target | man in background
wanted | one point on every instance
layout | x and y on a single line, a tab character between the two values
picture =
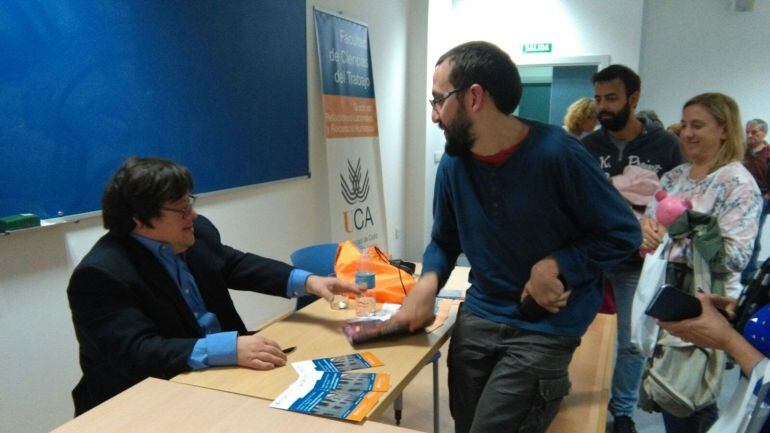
756	161
151	297
630	151
511	194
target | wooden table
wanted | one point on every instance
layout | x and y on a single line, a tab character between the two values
159	406
585	408
316	332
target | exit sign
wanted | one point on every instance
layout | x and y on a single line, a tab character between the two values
537	48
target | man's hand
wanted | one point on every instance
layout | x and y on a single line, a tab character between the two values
417	309
259	353
326	287
545	287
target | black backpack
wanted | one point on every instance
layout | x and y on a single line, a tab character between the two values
755	296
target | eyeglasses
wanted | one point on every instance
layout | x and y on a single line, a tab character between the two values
439	102
185	211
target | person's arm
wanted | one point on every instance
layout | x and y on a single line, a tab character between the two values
416	312
438	260
609	231
239	270
712	330
227	348
327	287
737	213
246	271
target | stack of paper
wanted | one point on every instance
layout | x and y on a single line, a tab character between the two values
323	387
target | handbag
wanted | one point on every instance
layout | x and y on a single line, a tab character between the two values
680	377
644	329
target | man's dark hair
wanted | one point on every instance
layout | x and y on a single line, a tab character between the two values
139	189
485	64
629	78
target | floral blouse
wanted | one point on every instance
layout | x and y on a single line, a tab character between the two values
730	194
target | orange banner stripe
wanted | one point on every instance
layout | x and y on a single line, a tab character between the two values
346	116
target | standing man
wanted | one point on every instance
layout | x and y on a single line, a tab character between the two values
511	194
151	297
627	140
756	161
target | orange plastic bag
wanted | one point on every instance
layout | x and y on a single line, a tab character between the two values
391	284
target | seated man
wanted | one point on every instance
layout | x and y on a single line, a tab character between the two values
151	297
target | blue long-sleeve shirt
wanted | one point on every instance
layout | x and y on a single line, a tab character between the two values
217	347
548	198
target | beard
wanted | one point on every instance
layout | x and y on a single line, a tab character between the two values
459	139
616	121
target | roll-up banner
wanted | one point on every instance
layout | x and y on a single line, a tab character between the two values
350	127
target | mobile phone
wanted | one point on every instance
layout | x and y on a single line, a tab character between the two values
672	305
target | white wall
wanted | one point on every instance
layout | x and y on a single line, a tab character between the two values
574	27
695	46
39	350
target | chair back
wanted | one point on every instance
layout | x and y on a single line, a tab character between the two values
318	259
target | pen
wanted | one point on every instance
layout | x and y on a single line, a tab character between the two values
288	350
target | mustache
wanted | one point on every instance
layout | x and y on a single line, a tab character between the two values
606	113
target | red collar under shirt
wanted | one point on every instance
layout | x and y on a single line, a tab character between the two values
499	158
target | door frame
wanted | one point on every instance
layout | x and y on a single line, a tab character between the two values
601	61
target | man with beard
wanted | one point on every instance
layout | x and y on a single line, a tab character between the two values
756	160
511	194
627	140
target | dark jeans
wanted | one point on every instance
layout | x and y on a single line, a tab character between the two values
698	422
503	379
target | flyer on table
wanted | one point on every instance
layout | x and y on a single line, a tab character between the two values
353	361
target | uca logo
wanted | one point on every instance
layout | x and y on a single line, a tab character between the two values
357	190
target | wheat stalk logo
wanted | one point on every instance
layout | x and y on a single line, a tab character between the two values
357	190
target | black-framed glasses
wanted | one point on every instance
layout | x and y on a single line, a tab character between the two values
439	102
185	211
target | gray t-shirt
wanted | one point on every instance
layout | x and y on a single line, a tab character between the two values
620	144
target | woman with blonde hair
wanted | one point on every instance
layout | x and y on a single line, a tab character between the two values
717	184
580	117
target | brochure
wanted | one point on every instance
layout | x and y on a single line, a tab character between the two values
353	361
348	405
325	380
349	396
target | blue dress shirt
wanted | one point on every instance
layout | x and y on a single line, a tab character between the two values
217	347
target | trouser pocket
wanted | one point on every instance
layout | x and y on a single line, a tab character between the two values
545	405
